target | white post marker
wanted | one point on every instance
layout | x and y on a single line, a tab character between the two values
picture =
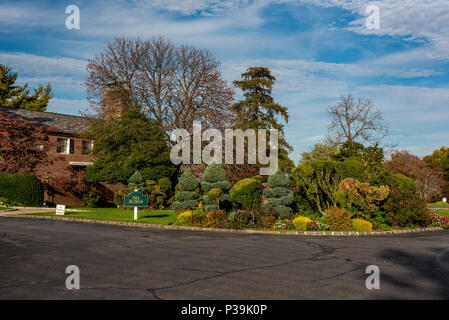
135	213
60	209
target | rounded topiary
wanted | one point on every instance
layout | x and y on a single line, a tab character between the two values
338	219
188	182
361	225
278	196
214	177
300	223
246	192
215	194
215	186
214	173
186	197
278	179
136	178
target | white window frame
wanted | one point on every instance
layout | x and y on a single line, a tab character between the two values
67	146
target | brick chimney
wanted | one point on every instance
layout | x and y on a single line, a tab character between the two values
115	102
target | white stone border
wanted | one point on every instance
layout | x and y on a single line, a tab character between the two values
167	227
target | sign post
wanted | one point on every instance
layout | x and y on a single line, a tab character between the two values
136	199
60	209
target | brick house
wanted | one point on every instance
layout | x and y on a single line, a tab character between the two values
68	150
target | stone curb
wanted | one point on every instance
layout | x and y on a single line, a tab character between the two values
295	233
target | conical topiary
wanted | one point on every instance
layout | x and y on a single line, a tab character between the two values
186	198
278	196
136	181
215	187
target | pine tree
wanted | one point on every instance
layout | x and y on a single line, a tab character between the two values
15	96
258	110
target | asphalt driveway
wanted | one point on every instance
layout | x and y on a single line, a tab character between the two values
118	262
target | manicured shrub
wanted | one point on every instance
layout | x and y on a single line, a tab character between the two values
278	179
361	225
338	219
246	192
188	182
215	177
319	180
186	198
215	219
215	194
300	223
361	196
215	186
23	189
278	196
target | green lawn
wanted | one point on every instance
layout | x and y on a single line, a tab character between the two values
112	214
441	207
3	208
439	204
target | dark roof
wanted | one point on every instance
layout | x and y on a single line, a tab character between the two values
63	123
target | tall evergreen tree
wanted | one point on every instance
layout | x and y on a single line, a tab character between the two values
122	146
15	96
259	111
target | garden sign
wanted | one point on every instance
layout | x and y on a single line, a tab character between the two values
136	199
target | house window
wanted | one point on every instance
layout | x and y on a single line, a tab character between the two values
65	146
87	145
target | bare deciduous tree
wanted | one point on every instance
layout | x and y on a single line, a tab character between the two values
356	121
174	84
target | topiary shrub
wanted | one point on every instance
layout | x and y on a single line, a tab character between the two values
215	186
136	181
300	223
338	219
361	225
23	189
277	195
215	177
246	192
186	198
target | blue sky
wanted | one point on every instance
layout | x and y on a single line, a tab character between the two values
317	49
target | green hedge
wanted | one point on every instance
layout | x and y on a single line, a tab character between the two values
25	189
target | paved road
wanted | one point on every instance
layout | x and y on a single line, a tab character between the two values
127	263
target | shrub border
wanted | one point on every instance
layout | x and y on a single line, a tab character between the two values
291	233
